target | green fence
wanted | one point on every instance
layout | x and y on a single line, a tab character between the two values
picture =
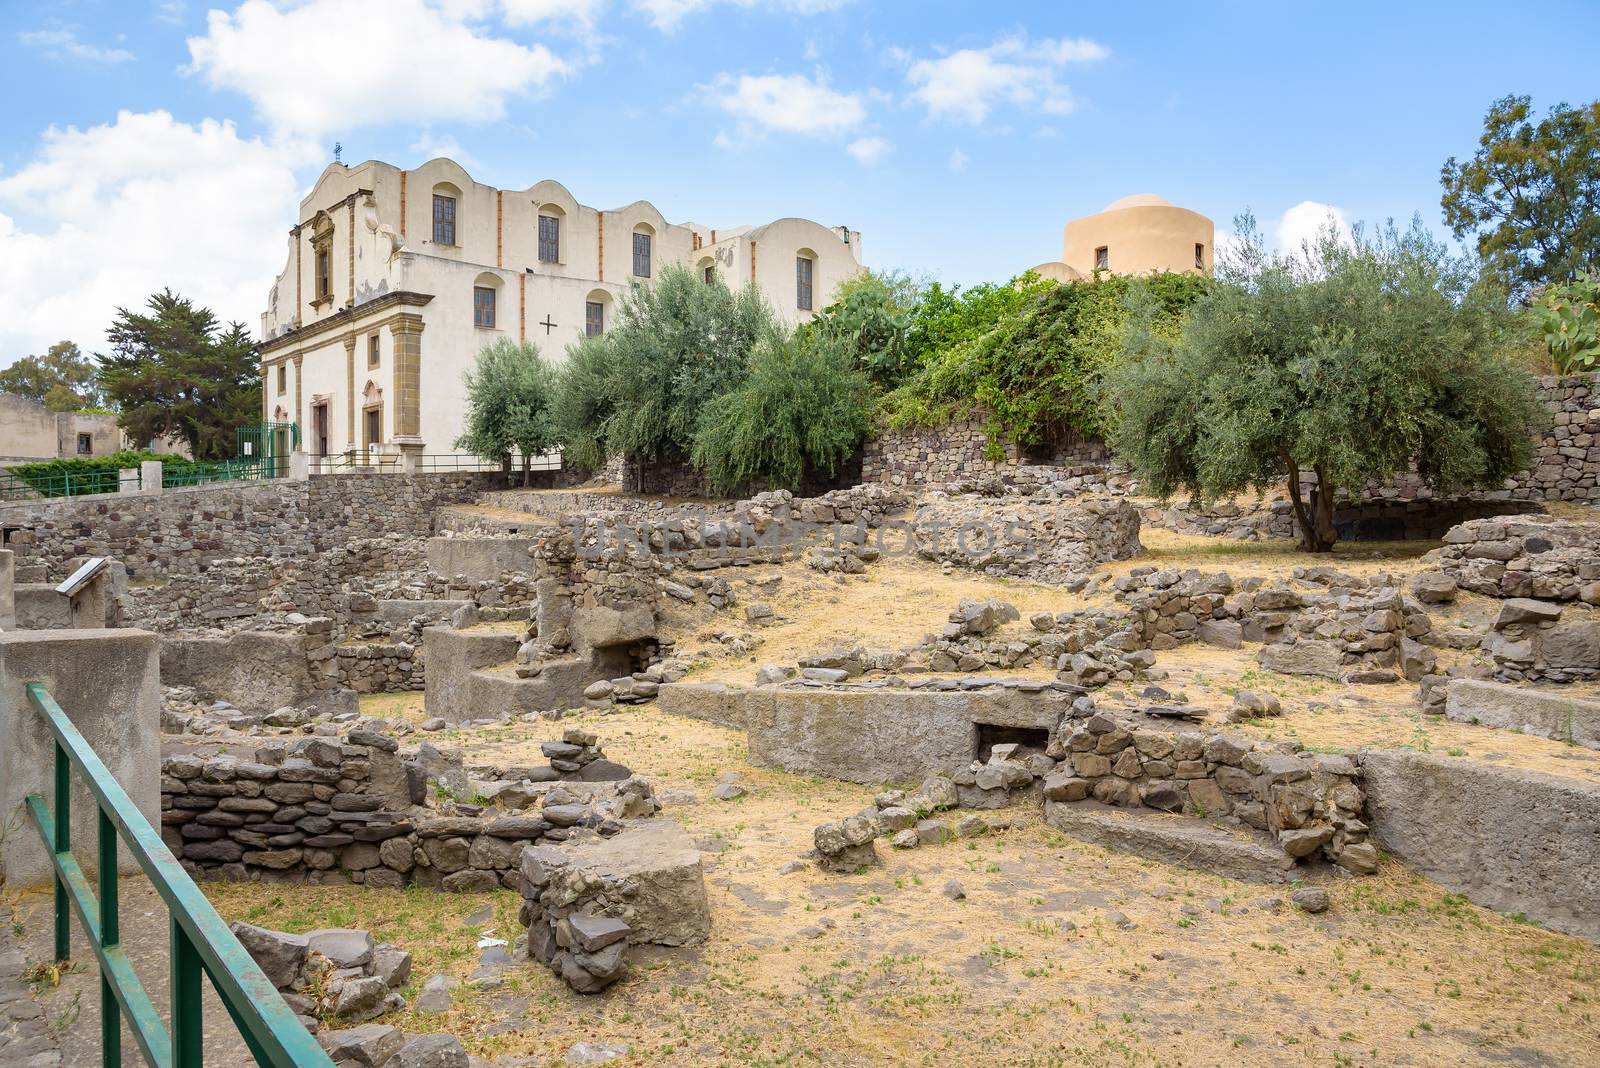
201	942
65	484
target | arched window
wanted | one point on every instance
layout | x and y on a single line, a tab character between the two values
643	239
485	299
595	307
550	219
445	199
805	264
707	269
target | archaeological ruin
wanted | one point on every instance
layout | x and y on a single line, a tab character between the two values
574	774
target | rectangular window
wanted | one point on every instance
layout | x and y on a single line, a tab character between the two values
1199	256
444	220
372	350
1102	258
483	307
708	274
549	239
641	255
802	283
324	273
283	378
594	319
374	426
85	444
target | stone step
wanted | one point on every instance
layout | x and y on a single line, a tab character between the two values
1179	840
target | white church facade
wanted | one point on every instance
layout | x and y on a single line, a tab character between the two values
395	279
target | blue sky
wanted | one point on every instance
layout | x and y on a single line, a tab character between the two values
168	143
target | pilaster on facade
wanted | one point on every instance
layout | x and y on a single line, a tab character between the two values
406	330
299	362
350	390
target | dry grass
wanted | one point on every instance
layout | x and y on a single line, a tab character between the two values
1028	969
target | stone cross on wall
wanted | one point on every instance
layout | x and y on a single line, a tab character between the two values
547	324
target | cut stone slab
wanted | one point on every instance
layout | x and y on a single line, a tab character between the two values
1546	713
1510	840
1309	657
1188	843
653	859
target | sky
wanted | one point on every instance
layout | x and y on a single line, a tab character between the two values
167	143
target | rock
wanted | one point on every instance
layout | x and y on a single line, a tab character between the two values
953	890
435	995
728	791
1434	587
430	1051
1223	633
361	999
344	947
1257	704
1526	610
279	955
1310	899
1309	656
772	674
594	933
1305	841
906	839
369	1044
971	827
1360	858
594	1052
391	964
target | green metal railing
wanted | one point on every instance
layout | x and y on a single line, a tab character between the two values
200	940
198	474
66	484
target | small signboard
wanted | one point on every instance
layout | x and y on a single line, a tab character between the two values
80	578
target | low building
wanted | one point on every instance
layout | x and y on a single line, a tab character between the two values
30	431
396	278
1140	234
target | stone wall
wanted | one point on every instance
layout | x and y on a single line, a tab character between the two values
1551	559
955	450
182	530
1511	840
1566	463
331	810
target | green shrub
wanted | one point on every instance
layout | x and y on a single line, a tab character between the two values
1036	369
69	477
802	409
638	389
1569	321
871	313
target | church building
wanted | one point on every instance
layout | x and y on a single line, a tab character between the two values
395	279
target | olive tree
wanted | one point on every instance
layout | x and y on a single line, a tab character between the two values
509	390
1346	362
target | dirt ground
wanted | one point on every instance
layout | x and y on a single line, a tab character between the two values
1030	968
1059	953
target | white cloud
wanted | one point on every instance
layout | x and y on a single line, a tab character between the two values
418	62
868	150
964	86
668	14
108	215
531	12
64	44
1304	223
958	159
790	103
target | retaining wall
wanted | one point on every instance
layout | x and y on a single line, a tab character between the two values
1510	840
